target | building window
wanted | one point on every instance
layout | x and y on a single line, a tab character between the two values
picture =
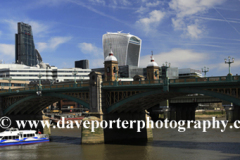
114	70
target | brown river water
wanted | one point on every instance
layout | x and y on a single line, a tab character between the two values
167	144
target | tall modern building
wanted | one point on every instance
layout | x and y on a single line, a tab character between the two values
24	45
84	64
126	47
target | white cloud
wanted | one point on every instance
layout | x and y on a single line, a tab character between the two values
194	31
89	48
153	4
121	2
38	28
151	22
41	46
190	7
56	41
97	1
142	10
93	53
125	2
7	52
148	5
12	26
186	9
53	43
96	63
180	58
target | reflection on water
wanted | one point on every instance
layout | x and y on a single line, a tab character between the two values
167	144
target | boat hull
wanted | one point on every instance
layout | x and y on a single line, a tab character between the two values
23	142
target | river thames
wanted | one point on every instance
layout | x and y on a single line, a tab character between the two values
167	144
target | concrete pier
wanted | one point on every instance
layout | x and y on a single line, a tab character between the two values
181	111
232	113
88	137
127	135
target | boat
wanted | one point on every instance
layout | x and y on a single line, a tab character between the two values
13	136
67	117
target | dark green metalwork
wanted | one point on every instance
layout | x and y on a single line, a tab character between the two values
63	96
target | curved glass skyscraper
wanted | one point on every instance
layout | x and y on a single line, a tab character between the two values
126	47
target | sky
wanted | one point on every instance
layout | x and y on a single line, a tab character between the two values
185	33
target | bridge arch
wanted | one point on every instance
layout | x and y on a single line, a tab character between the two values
49	98
153	97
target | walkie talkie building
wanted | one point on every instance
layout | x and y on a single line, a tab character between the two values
126	47
24	46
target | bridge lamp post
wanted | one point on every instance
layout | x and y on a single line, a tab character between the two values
205	70
9	80
81	80
229	63
51	81
75	74
167	66
39	83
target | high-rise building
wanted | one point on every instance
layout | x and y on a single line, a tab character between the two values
126	47
84	64
24	45
38	57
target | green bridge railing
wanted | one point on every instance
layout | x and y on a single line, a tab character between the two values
174	81
164	82
45	87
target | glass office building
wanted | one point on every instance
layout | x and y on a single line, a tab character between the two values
126	47
24	46
84	64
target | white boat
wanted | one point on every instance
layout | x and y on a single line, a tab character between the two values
13	136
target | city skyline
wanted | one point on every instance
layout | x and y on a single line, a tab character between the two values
188	34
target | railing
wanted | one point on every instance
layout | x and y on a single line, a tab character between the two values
124	83
207	79
174	81
63	86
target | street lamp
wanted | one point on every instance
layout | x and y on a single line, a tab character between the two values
51	82
229	63
39	83
75	74
81	80
9	80
205	70
166	66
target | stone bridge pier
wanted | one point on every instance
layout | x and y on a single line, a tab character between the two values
114	133
180	111
232	113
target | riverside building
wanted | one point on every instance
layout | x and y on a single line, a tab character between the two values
45	71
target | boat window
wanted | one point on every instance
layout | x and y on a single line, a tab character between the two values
5	138
1	137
